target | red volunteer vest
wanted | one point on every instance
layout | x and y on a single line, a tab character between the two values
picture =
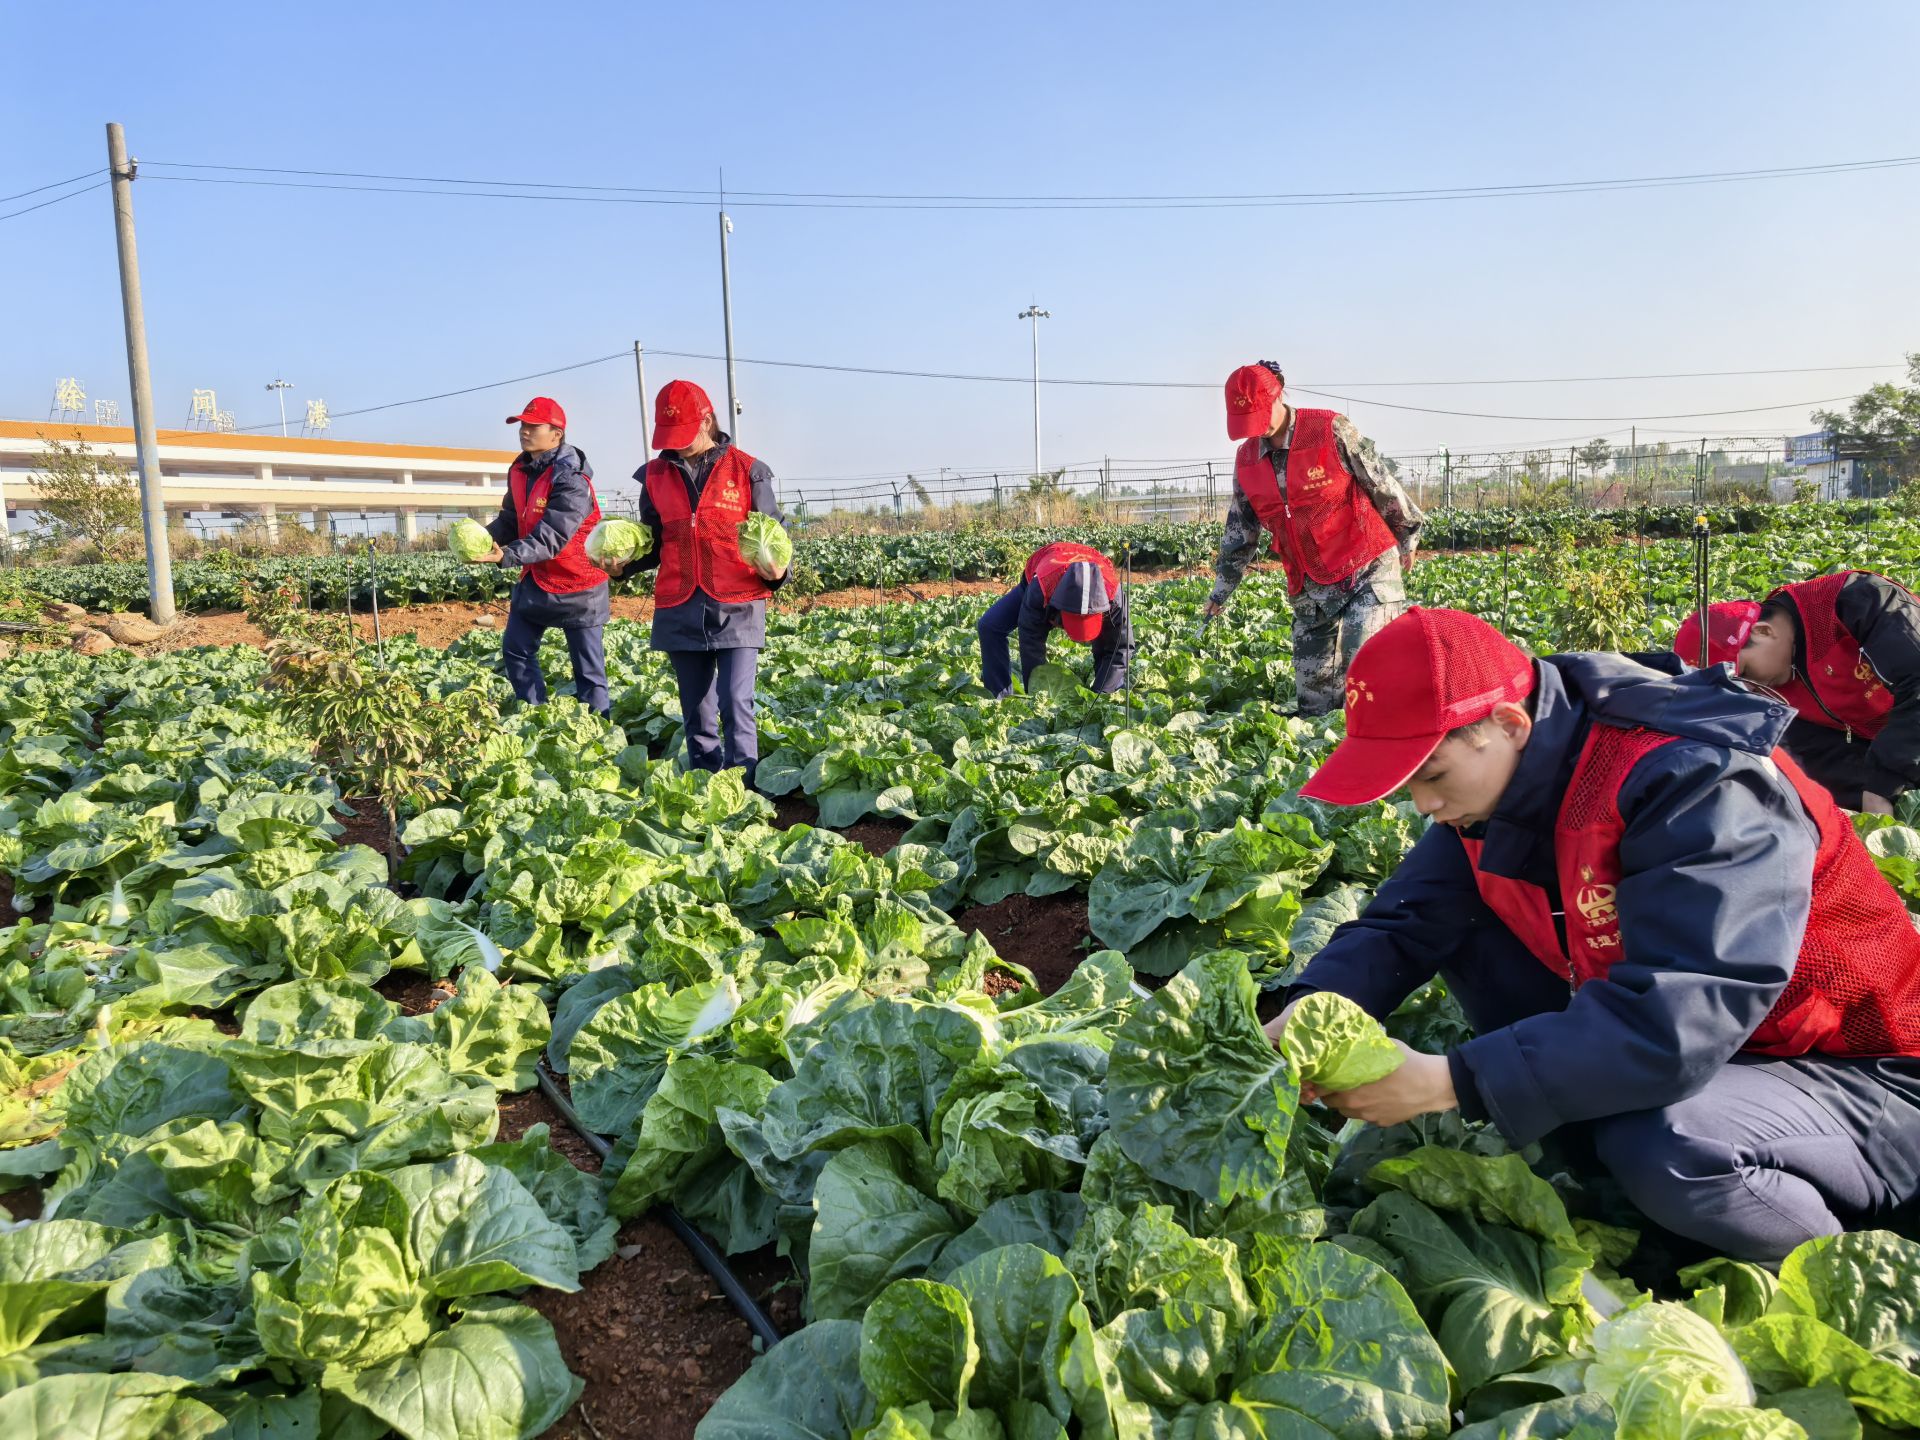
701	547
1845	693
570	570
1324	526
1047	564
1856	984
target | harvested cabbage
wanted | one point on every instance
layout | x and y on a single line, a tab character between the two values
1336	1045
764	543
618	541
469	539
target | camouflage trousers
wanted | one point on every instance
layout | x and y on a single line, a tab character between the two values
1332	622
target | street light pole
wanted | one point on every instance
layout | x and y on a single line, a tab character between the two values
1036	315
282	386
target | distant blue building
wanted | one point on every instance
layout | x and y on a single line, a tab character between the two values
1837	476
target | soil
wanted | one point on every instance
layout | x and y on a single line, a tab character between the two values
38	915
414	993
792	810
1048	935
367	825
24	1203
649	1332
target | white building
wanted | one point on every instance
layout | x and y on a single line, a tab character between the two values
321	481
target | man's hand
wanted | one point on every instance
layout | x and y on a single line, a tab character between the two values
1213	609
614	568
1422	1084
767	572
1406	561
1872	804
492	557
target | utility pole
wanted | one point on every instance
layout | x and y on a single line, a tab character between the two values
282	386
646	432
1036	315
153	504
726	307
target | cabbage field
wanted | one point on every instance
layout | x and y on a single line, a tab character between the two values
260	1196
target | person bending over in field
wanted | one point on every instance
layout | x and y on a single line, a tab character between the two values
1661	931
1064	586
1844	651
1342	525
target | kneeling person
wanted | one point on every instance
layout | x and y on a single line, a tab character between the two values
1659	928
1844	651
1071	587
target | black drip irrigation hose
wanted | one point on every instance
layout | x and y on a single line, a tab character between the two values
711	1260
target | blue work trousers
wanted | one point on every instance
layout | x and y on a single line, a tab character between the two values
717	708
520	652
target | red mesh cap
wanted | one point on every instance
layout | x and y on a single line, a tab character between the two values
1252	392
677	412
1428	672
1728	624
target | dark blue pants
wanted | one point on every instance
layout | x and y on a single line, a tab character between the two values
716	700
1766	1156
520	651
995	628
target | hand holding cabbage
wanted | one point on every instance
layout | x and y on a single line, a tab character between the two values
469	541
765	545
1346	1058
614	544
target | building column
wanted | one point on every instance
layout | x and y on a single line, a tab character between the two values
270	518
408	523
406	477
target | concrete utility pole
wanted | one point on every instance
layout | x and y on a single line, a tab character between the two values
153	504
1036	315
646	429
282	386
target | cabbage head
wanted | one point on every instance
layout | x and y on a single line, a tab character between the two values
618	541
764	542
469	539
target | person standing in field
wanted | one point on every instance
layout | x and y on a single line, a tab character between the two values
549	510
1342	526
710	605
1844	651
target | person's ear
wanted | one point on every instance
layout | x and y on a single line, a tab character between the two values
1514	722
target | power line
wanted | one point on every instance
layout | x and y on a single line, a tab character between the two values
777	199
54	185
70	195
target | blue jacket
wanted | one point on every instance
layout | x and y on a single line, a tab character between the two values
1112	647
569	503
1717	865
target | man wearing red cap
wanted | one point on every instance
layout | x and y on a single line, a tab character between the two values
1844	651
710	605
1342	526
542	527
1069	587
1664	935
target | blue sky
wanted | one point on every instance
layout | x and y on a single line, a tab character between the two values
364	299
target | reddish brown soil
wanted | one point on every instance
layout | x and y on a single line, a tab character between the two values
367	825
24	1203
1048	935
792	810
649	1332
414	993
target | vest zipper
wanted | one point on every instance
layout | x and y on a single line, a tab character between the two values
1807	682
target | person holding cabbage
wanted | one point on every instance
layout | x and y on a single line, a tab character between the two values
1669	941
546	521
717	538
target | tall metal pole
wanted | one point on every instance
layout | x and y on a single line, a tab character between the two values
1036	315
646	433
153	504
282	386
726	305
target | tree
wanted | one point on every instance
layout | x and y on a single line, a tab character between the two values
1596	455
1882	427
89	496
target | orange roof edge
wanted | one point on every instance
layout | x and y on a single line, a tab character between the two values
216	440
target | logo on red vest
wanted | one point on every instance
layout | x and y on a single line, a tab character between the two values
1317	478
1596	906
1865	674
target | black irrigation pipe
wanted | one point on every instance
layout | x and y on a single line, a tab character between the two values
711	1260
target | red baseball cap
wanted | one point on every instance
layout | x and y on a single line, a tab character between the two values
1427	673
1729	622
541	411
677	412
1252	392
